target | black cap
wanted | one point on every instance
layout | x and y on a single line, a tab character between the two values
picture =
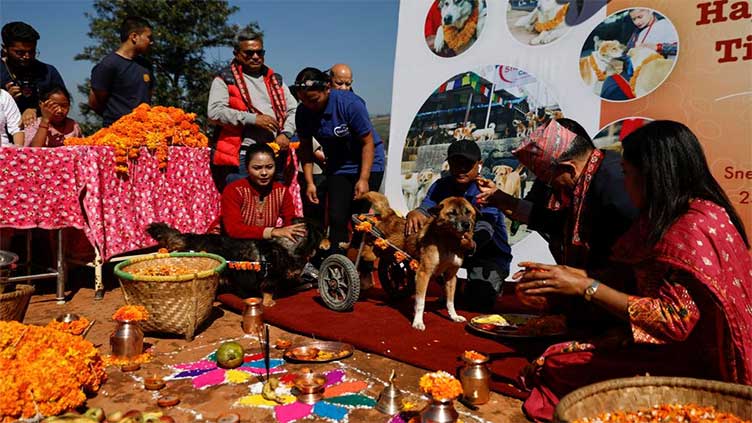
465	148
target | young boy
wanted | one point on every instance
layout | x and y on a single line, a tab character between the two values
488	264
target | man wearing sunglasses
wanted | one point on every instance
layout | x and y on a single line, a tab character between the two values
249	103
342	78
21	74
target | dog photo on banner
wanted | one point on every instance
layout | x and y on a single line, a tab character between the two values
495	106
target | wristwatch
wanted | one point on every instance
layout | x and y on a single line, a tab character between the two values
591	290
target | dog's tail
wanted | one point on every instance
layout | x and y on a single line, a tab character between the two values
379	203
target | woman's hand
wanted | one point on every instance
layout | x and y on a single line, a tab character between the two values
361	187
311	194
543	279
292	232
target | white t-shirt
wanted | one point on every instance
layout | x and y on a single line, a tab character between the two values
10	118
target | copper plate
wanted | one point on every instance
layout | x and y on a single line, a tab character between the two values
326	351
516	321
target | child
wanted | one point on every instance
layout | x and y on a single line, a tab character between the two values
488	265
251	206
54	126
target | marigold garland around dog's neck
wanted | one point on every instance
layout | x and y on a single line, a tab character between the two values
456	39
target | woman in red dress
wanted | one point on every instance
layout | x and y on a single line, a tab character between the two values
689	312
257	207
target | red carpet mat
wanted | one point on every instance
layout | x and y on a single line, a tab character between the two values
385	329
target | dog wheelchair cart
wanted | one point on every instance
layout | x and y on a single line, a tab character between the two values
339	281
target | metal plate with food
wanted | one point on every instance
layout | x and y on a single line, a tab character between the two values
318	352
519	325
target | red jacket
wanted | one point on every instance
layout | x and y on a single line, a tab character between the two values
227	151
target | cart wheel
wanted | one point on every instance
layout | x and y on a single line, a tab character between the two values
397	279
339	283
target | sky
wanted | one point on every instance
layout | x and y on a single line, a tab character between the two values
297	34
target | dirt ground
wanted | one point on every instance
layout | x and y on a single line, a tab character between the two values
124	391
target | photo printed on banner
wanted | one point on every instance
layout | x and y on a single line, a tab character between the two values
611	135
496	106
452	26
629	54
537	22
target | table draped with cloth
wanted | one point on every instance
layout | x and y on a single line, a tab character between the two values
53	188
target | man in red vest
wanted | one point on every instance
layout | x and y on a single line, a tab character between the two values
249	103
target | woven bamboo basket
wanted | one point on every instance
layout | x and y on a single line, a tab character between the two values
13	304
176	304
631	394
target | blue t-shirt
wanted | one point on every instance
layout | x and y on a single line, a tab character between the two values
339	129
36	80
128	83
489	223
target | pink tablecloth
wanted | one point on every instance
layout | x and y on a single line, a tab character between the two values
50	180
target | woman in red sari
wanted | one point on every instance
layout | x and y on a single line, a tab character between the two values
690	311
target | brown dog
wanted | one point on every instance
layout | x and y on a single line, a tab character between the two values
439	246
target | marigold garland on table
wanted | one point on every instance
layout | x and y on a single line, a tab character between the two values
440	385
44	371
76	327
155	128
130	313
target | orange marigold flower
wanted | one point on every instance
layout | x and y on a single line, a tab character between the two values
474	356
414	265
440	385
400	256
155	128
130	313
381	243
363	227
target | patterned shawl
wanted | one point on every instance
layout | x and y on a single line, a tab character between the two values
704	243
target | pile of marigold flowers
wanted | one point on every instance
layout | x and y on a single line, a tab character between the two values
685	413
76	327
155	128
130	313
44	371
440	385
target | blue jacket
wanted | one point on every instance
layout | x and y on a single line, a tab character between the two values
492	243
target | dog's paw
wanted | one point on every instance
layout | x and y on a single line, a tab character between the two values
538	40
438	42
458	318
419	325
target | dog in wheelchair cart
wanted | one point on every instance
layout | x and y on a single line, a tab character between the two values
439	247
283	259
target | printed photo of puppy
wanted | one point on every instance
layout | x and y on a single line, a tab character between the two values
452	26
438	246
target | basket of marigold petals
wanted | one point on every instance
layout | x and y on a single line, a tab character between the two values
440	385
663	399
176	289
